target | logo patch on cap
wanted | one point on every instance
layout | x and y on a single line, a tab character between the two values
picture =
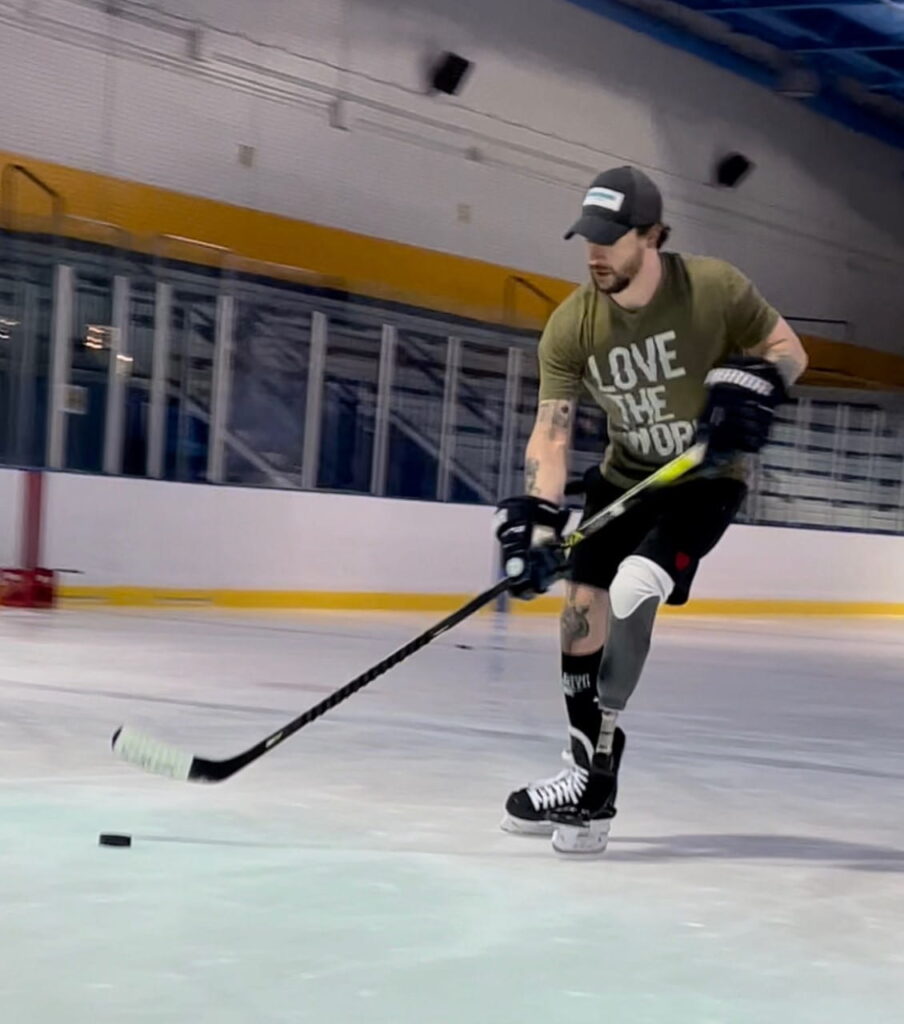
607	198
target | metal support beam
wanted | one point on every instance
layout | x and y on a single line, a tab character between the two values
839	453
60	364
714	10
853	47
118	370
380	461
449	420
163	305
876	427
901	500
313	404
219	401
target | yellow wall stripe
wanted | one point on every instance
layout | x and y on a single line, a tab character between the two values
747	608
346	260
435	280
400	602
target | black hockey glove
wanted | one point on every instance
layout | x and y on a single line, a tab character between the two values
744	393
529	530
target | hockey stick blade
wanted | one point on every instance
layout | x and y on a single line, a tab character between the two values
140	749
148	753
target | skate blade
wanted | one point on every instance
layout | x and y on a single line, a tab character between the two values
519	827
581	841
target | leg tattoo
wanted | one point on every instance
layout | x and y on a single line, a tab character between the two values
575	623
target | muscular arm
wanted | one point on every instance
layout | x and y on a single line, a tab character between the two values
784	348
546	459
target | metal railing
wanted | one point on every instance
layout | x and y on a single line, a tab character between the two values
260	382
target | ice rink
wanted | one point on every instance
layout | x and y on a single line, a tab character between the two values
357	874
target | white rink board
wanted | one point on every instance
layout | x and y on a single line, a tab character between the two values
775	563
11	489
147	533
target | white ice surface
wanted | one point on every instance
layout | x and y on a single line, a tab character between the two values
357	874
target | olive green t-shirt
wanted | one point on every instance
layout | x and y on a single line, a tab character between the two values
646	367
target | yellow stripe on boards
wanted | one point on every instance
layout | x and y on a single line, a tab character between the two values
400	602
739	607
264	599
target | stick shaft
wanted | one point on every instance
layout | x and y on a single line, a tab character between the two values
382	667
153	756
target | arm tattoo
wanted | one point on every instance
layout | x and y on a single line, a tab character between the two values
556	416
531	469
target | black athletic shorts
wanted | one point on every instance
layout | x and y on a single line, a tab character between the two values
673	527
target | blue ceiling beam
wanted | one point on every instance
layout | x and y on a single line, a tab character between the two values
837	30
732	7
853	48
781	30
829	103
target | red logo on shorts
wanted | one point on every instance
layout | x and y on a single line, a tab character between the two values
682	561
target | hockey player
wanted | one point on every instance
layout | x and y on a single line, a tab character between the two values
673	347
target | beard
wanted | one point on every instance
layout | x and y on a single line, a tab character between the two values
615	281
613	284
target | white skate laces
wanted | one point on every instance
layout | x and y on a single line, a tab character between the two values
564	789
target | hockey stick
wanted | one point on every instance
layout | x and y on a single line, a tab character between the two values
143	750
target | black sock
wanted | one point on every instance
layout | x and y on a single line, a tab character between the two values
579	674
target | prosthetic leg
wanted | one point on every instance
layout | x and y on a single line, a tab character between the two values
639	587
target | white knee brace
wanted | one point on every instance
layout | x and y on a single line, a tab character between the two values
637	579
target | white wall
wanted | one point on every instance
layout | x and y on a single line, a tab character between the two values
557	94
146	533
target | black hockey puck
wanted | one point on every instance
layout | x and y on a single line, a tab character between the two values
111	839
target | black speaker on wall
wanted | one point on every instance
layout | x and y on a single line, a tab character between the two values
448	72
732	169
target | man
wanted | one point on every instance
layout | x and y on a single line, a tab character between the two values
674	348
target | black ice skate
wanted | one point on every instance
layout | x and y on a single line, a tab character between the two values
582	827
527	810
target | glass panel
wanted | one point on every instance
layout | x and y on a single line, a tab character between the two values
889	473
141	348
189	382
25	324
86	404
270	356
349	404
416	415
14	299
26	303
831	464
480	413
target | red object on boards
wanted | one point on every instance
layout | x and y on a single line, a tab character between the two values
31	585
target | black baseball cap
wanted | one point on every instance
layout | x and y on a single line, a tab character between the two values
618	200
